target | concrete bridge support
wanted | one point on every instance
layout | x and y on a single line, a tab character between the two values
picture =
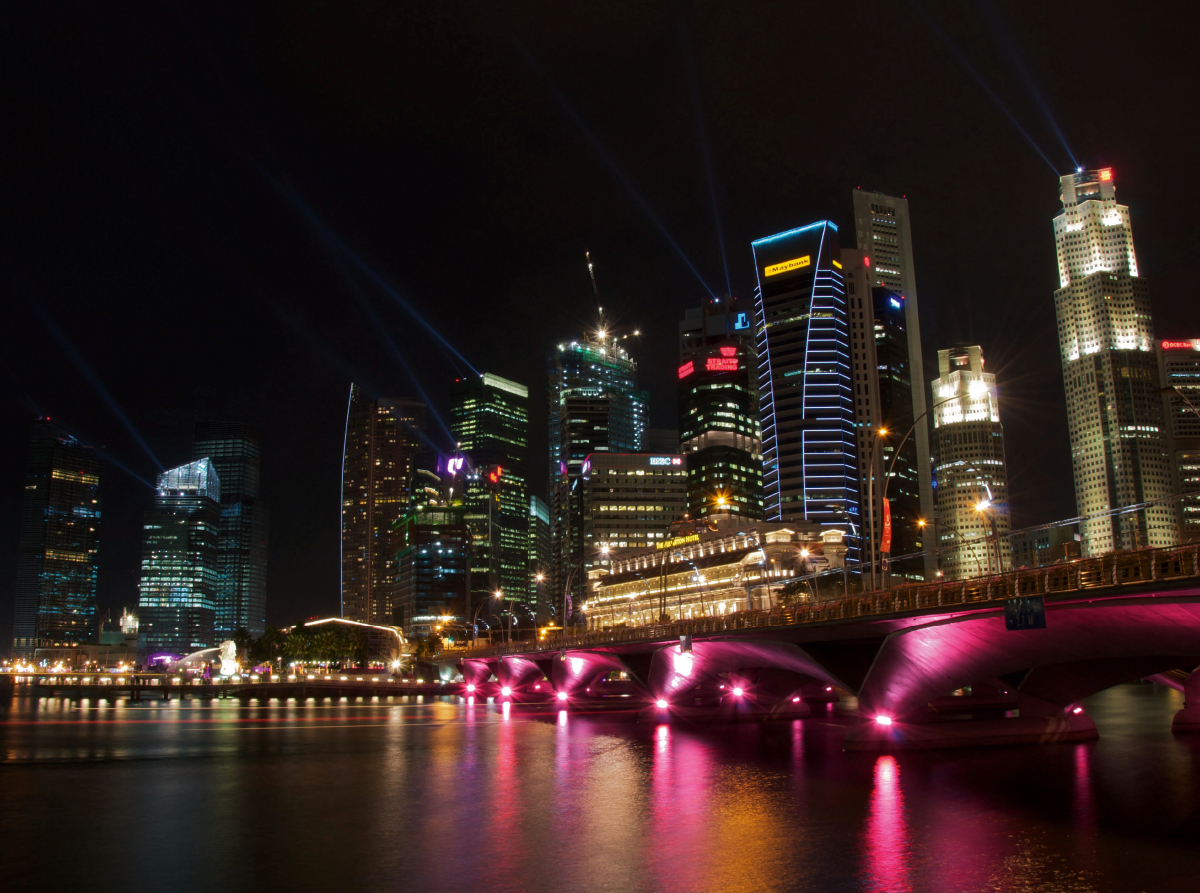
1188	719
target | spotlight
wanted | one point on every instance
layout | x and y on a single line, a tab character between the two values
562	695
506	691
661	703
737	692
883	720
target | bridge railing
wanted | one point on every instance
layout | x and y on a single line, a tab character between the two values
1116	569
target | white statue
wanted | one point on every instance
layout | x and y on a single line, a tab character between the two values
229	664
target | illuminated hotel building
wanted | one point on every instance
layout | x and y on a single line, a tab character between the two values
971	479
891	390
489	418
383	438
1179	368
594	406
59	545
630	501
177	596
1106	339
718	411
809	442
236	453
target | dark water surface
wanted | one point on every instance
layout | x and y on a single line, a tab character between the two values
441	796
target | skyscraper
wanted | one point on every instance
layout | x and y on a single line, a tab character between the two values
630	501
489	417
60	543
433	569
236	453
539	553
1106	340
180	544
719	413
595	406
886	255
971	477
804	379
383	437
1179	371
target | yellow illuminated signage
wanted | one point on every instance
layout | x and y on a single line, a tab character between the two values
836	264
678	541
795	263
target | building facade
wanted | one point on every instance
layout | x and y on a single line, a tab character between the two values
719	424
712	573
235	451
970	474
177	595
1179	370
383	439
630	501
60	543
433	570
539	553
809	438
885	256
489	418
1110	372
594	406
1045	546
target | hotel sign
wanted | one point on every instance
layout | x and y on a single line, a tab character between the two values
678	541
796	263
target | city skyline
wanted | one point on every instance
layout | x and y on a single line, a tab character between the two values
308	330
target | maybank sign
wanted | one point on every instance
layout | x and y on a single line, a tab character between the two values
678	541
796	263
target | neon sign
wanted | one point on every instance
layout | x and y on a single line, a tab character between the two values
678	541
796	263
895	303
454	466
729	351
687	369
1194	344
721	364
1106	175
741	322
666	460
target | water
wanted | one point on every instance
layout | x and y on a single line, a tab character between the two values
439	796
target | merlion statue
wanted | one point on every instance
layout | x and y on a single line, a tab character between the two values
228	652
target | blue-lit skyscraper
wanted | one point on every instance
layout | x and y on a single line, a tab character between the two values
181	536
60	543
805	388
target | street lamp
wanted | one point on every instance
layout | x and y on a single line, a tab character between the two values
875	435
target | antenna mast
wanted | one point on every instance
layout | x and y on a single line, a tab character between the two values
595	288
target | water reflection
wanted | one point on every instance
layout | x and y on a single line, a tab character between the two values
886	845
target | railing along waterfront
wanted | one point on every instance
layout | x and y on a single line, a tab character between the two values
1113	570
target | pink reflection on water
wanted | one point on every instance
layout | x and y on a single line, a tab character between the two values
682	818
1085	808
885	838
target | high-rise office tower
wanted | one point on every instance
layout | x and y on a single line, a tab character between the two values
595	406
630	501
489	418
236	453
433	564
383	438
886	256
539	553
60	543
804	381
1179	369
971	478
180	544
1106	339
719	413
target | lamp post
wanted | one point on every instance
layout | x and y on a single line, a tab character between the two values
888	477
475	619
567	586
985	508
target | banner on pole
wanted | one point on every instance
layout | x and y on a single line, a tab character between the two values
885	541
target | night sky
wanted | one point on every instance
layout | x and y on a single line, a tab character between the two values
224	212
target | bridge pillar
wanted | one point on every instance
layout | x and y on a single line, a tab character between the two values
1188	719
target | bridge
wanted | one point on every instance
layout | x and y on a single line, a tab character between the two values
906	653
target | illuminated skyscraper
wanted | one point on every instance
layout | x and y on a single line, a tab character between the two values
1179	369
180	542
595	406
489	418
235	452
718	412
60	543
539	553
1106	339
804	380
885	258
971	477
383	438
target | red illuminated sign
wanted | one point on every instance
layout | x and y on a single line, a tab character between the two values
885	541
866	261
686	369
1181	345
1106	175
721	364
729	351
